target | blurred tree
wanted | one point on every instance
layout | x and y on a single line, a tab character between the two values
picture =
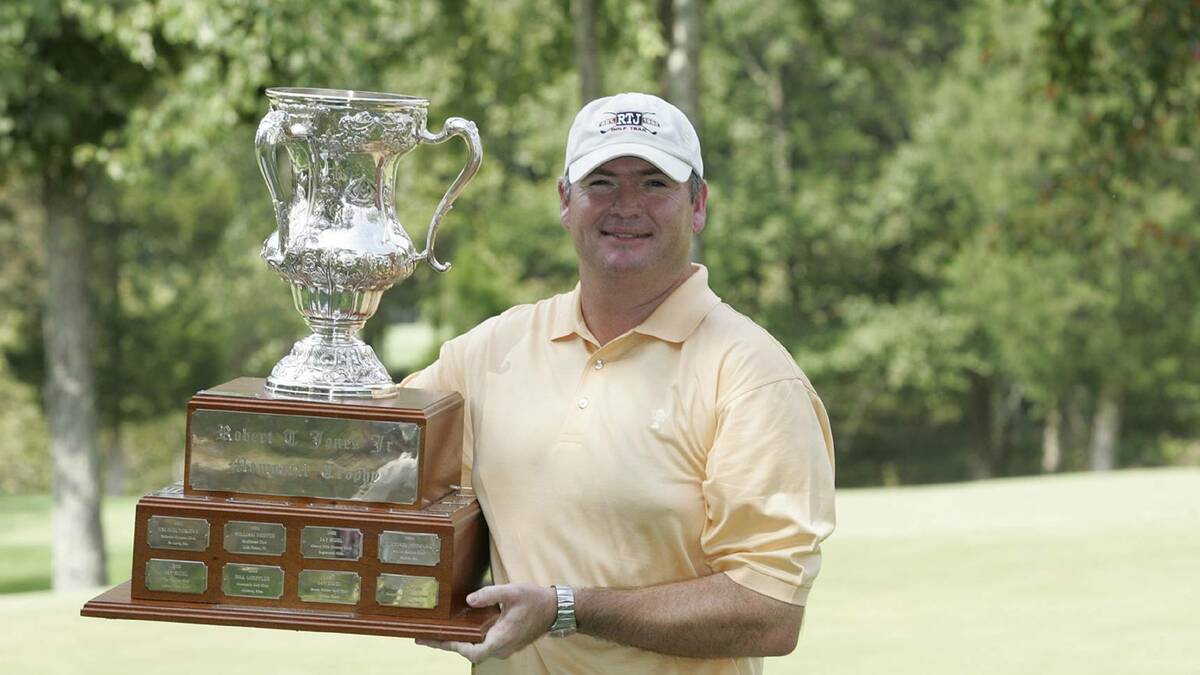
52	103
681	76
504	237
587	50
814	99
94	98
1128	76
1038	243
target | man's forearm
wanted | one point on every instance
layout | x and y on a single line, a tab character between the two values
708	617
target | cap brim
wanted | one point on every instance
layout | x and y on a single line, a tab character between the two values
675	168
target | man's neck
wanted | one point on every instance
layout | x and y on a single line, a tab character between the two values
614	305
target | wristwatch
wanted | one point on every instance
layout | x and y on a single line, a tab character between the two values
564	620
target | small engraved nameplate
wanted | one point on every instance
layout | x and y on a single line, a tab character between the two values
176	576
180	534
252	581
400	590
342	588
248	538
331	543
305	456
410	548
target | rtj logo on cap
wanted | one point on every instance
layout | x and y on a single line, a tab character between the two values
630	120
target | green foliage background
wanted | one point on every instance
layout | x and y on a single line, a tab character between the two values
961	217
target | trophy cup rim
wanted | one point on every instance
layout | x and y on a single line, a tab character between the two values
343	97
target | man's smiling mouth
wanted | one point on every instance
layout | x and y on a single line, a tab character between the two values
626	235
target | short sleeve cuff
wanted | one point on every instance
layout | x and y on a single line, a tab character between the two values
769	586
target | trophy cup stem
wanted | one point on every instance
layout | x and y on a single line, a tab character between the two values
333	332
332	362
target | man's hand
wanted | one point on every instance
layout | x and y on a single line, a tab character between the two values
526	612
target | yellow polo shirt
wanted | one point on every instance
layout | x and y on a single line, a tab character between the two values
692	445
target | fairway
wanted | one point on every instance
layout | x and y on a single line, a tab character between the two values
1085	573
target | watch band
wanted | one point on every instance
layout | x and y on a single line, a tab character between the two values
564	619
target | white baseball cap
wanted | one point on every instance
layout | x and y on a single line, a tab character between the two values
633	125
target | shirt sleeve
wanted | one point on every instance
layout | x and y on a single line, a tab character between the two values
446	374
768	489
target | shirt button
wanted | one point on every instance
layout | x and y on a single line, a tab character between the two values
582	403
598	364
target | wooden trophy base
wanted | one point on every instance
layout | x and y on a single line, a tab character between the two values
216	580
469	625
313	515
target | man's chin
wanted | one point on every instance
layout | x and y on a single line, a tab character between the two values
630	259
622	263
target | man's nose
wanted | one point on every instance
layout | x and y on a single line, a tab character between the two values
628	201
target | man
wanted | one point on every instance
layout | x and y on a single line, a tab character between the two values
656	471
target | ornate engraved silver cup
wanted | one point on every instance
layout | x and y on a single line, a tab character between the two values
338	242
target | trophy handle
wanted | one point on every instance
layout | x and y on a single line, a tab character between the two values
270	133
455	126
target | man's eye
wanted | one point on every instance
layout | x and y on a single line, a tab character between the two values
600	182
657	183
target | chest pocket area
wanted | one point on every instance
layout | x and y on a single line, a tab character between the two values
655	433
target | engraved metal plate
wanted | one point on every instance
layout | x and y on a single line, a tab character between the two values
343	588
331	543
176	576
252	581
410	548
400	590
305	456
248	538
180	534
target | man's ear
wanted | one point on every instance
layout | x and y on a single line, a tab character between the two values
563	205
700	209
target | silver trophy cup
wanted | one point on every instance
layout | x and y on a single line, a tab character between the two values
338	241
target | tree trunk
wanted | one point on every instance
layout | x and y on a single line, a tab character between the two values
666	19
683	59
782	147
979	416
1052	441
1076	427
682	77
114	464
116	471
587	51
77	551
1006	417
1106	430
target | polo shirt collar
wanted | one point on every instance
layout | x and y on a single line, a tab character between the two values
672	321
568	317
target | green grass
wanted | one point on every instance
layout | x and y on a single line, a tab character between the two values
1088	574
25	543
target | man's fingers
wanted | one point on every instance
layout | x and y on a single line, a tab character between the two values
514	629
471	651
474	653
488	596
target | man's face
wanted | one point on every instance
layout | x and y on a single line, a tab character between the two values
628	216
